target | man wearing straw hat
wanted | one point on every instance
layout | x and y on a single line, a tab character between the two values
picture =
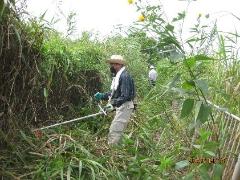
121	98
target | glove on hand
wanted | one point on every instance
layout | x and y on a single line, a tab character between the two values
108	108
98	96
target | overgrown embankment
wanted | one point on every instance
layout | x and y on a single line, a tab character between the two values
42	76
20	58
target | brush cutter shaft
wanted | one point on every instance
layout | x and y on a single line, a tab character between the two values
73	120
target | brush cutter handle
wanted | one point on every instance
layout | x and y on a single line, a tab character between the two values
108	108
102	109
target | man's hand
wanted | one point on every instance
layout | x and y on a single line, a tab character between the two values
108	108
98	96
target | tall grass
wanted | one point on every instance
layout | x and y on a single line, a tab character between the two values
164	131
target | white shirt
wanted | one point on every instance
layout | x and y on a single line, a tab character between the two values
152	75
115	81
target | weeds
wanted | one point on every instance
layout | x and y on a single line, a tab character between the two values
52	77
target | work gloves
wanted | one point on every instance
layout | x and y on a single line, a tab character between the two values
108	108
99	96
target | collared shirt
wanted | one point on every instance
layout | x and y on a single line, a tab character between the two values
152	75
124	92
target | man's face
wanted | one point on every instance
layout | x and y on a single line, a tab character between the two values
114	67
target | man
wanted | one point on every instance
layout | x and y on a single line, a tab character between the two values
121	98
152	75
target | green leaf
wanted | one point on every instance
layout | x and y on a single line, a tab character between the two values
2	10
80	165
174	81
197	146
170	27
202	84
45	92
201	57
188	85
197	109
27	139
217	172
62	174
190	62
192	40
181	164
43	15
69	170
93	174
222	47
187	107
204	135
203	113
189	176
210	153
180	16
17	33
204	173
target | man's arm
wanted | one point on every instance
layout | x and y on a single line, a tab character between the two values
106	96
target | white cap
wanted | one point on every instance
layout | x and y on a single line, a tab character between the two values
152	67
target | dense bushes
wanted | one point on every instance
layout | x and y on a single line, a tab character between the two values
19	58
42	74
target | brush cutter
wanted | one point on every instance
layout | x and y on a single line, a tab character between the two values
101	111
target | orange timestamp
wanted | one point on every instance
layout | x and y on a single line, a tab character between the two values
213	160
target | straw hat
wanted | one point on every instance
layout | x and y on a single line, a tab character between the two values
118	59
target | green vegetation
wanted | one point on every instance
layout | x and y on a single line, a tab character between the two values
47	78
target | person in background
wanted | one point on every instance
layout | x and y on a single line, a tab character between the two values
152	75
121	97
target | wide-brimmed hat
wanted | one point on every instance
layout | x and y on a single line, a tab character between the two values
118	59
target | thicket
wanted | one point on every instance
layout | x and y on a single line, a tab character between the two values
47	78
43	75
20	58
